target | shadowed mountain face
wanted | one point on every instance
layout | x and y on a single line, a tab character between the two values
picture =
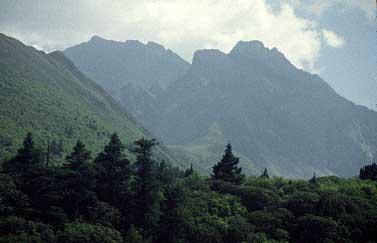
132	72
275	115
48	96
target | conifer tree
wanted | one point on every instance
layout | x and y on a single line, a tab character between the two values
166	174
227	170
112	153
79	157
314	180
147	189
368	172
26	158
113	173
189	171
265	174
79	179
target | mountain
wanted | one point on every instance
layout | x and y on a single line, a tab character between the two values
275	115
132	72
48	96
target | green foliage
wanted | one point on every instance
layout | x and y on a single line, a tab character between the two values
79	157
197	214
134	236
18	230
104	214
12	200
150	201
311	229
274	223
113	173
26	158
227	170
147	186
88	233
303	202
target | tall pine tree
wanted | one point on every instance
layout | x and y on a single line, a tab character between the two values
147	188
83	181
227	170
314	180
26	158
190	171
113	173
265	174
79	158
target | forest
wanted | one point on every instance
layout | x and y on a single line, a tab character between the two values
111	198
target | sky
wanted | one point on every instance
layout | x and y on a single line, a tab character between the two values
333	38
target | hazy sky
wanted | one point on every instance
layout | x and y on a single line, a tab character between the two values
335	38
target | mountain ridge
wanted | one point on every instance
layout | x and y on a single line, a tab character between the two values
276	115
127	56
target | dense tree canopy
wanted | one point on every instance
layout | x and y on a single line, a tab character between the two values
110	199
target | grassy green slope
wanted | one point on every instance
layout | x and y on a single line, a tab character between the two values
47	95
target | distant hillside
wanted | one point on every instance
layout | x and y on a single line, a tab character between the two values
132	72
49	96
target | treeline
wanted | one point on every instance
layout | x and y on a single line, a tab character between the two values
109	199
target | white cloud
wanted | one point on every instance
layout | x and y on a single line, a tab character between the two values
332	39
318	7
182	25
189	25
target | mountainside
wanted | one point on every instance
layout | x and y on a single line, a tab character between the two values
47	95
132	72
275	115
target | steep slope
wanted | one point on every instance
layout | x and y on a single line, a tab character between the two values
275	115
132	72
47	95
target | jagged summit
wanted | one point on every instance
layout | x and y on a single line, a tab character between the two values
97	38
155	45
129	43
254	47
208	55
211	61
100	40
249	45
256	52
114	64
